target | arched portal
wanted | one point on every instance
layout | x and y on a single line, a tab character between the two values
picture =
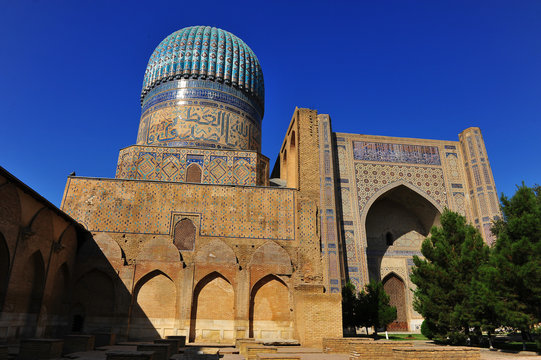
213	310
397	222
155	306
93	302
4	269
395	288
270	315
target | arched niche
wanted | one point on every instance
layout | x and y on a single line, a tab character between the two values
159	249
58	303
41	231
395	287
270	316
109	247
27	296
184	235
213	310
94	298
36	282
398	219
215	252
270	258
154	307
193	173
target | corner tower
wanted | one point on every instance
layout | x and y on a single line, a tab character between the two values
202	104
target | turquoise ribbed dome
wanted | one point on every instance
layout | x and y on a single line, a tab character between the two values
204	52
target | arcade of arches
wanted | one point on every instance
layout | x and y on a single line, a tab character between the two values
195	242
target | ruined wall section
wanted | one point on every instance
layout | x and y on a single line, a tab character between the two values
143	210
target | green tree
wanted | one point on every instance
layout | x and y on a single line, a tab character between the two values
374	306
517	258
449	278
349	307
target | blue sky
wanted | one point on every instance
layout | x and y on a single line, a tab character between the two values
72	73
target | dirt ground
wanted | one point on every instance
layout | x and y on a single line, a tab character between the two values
305	353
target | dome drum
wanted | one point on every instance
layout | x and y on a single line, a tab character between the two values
199	113
203	87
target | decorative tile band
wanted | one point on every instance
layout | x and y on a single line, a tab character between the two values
203	90
175	120
397	153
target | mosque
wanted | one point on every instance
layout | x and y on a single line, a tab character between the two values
196	235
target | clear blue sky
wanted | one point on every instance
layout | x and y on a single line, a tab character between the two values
71	75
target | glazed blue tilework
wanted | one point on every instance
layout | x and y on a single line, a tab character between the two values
145	207
199	90
169	164
330	237
208	53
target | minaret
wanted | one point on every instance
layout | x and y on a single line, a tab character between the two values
482	193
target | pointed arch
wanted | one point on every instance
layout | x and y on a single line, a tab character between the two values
270	258
215	252
270	316
184	234
109	247
149	275
154	305
37	285
29	294
393	185
395	287
160	249
213	320
396	219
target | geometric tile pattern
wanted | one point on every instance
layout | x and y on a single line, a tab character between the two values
330	237
228	167
145	207
372	177
204	51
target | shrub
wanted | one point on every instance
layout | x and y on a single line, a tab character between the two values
426	331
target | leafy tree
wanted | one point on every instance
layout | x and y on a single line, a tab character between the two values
374	305
349	306
448	279
517	258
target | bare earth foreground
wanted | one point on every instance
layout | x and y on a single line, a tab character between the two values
303	352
